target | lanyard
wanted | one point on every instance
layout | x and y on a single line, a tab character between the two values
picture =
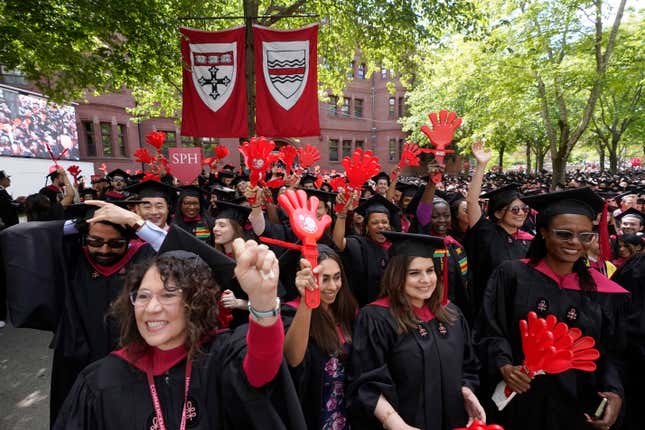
155	398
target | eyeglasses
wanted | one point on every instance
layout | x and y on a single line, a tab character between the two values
516	209
97	242
583	237
140	298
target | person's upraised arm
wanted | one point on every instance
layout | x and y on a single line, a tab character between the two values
475	186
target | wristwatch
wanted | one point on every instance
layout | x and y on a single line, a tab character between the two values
138	224
266	314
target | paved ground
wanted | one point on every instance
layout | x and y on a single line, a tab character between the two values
25	371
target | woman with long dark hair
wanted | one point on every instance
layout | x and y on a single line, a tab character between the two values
174	370
555	279
497	237
317	342
412	363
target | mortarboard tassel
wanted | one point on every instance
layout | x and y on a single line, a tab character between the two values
444	261
603	233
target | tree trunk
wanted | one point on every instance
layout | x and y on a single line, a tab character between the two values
251	8
601	154
501	157
613	157
528	156
559	165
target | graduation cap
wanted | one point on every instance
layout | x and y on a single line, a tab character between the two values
324	196
308	179
377	204
229	167
232	211
407	190
419	245
118	172
240	178
85	191
631	212
225	174
152	188
82	211
581	201
619	198
381	175
3	175
501	197
222	265
190	190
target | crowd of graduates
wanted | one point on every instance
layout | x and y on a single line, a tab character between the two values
172	306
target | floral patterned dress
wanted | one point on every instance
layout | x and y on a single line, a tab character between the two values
333	413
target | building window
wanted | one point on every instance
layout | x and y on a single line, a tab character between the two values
383	73
359	144
350	72
121	140
333	105
347	148
106	138
361	71
90	141
345	108
188	142
401	107
391	107
400	147
358	108
171	140
333	149
392	150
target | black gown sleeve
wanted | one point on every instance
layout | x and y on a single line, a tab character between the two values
369	375
471	364
34	261
81	409
491	329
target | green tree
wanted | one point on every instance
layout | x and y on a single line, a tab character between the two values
619	105
70	47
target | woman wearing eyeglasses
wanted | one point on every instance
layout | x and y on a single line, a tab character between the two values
555	279
492	240
175	371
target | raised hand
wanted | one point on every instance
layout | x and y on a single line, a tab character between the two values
443	128
302	215
360	167
112	213
410	155
288	155
480	153
257	272
305	277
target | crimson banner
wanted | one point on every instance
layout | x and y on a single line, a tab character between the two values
214	85
185	163
286	81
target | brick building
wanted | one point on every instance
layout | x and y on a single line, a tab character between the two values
366	117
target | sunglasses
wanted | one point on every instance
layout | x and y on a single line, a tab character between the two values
97	242
516	209
583	237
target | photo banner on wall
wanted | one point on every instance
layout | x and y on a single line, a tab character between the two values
214	84
286	80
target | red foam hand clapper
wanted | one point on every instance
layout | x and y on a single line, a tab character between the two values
257	157
288	155
410	154
305	225
480	425
308	155
358	169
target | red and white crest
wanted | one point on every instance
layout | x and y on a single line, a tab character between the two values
214	69
285	66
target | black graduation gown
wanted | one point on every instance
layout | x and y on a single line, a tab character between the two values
631	276
53	287
202	229
554	402
420	373
488	245
111	394
365	261
308	375
459	285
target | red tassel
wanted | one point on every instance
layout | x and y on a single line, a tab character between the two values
603	230
444	261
